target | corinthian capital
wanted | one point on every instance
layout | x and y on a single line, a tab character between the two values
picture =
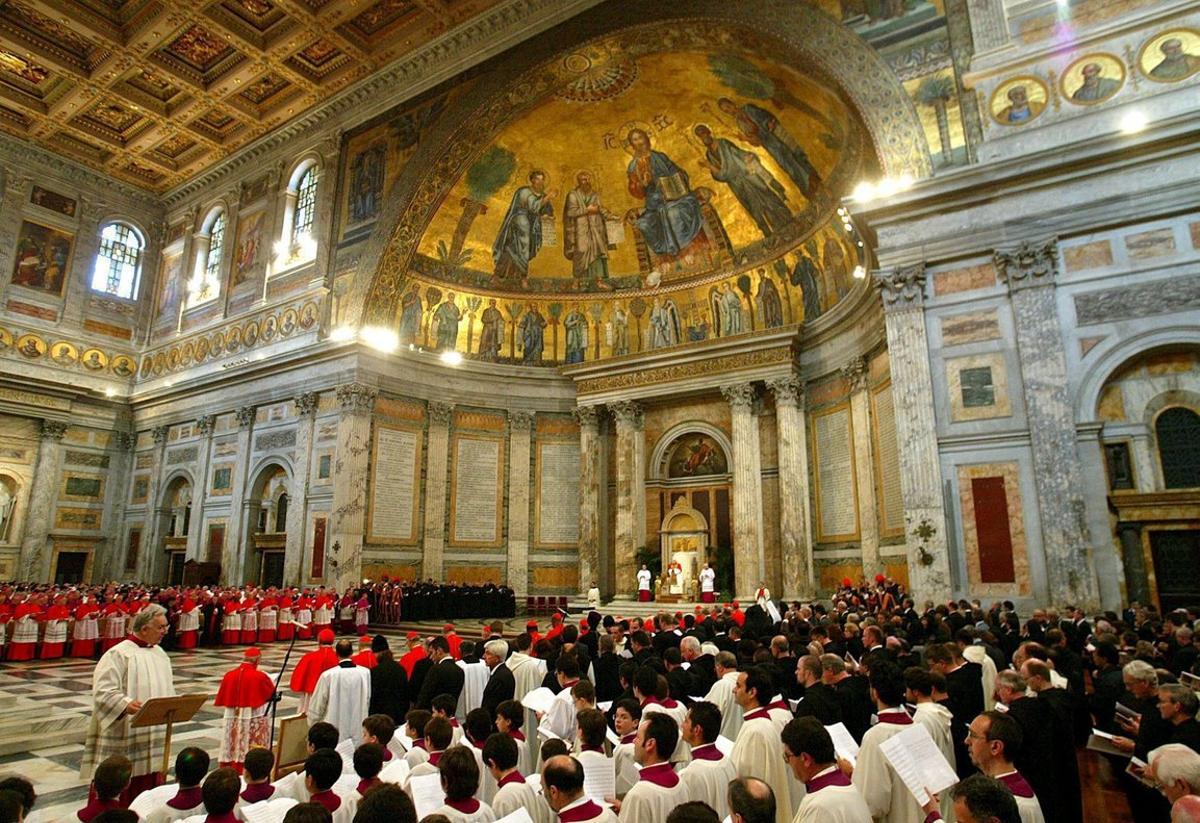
245	416
587	416
855	374
739	396
440	412
520	420
160	433
53	430
903	287
788	391
627	413
306	404
1029	264
205	423
356	398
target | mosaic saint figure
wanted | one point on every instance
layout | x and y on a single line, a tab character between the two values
804	275
533	329
761	128
620	332
493	332
761	195
520	236
727	309
446	320
577	336
1095	87
671	220
410	316
585	231
770	306
664	324
366	176
1176	63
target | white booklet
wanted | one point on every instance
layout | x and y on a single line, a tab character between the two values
843	742
538	700
427	793
919	762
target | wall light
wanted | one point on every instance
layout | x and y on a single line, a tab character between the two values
341	334
451	358
859	273
380	338
110	392
1133	122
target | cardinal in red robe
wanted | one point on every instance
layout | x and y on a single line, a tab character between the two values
245	694
454	640
365	657
25	633
416	650
55	619
310	668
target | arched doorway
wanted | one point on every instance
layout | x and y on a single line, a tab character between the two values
688	500
267	513
175	515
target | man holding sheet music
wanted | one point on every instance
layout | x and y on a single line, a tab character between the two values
883	787
829	797
993	739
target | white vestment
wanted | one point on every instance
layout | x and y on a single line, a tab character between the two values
936	719
758	752
343	698
148	801
87	628
626	767
56	631
487	784
721	696
292	786
593	597
513	796
25	629
978	654
648	801
127	672
475	678
708	782
528	673
560	719
833	804
643	578
483	814
189	621
603	815
886	795
707	578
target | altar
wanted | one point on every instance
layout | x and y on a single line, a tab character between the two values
684	539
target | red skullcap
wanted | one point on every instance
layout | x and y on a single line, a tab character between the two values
879	578
448	627
253	651
326	636
846	583
413	635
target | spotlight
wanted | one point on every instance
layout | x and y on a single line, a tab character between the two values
451	358
1133	122
379	338
859	273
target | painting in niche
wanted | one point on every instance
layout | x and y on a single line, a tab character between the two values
1171	56
53	201
641	182
43	258
696	455
1019	100
171	288
249	251
1093	79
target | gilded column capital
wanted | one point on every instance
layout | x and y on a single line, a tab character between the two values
356	398
160	433
902	287
245	416
788	391
440	412
205	423
53	430
587	416
627	413
740	396
855	374
1029	264
520	420
306	403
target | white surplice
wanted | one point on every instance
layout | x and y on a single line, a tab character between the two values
936	719
721	696
343	698
758	752
886	795
708	782
475	678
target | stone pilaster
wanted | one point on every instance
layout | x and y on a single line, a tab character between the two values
293	558
35	556
347	521
927	549
195	542
520	429
108	563
237	536
627	539
750	565
795	517
437	461
1029	271
590	481
855	375
151	552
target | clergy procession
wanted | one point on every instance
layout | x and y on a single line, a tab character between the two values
864	709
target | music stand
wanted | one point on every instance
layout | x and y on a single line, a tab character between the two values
168	710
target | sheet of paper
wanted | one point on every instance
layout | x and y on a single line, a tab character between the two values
395	771
427	794
546	733
604	706
773	611
685	665
919	762
1102	742
1127	712
538	700
1137	770
599	778
613	737
519	816
696	699
401	736
724	745
270	811
843	742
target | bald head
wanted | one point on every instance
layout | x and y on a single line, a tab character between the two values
752	800
1186	809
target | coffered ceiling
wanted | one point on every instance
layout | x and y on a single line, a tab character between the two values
155	91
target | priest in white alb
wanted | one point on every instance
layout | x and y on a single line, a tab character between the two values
721	694
643	578
829	796
758	751
876	779
658	789
706	778
129	674
343	695
708	580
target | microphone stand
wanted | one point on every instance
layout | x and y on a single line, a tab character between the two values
276	697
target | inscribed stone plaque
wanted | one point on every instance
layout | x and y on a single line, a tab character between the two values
80	486
977	387
835	475
394	485
475	515
887	452
558	493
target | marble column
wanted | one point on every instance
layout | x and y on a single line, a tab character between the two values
520	429
108	563
35	554
150	554
749	565
237	536
1030	271
926	546
855	375
347	521
1137	584
795	517
297	514
590	481
437	462
195	541
627	540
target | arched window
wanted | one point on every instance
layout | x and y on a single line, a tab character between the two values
281	512
1178	431
216	248
306	206
205	284
119	261
297	243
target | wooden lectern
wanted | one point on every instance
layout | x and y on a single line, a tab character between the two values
168	710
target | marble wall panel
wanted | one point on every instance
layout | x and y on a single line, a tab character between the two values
1008	474
1163	296
562	578
969	278
475	575
970	327
1094	255
1149	244
978	387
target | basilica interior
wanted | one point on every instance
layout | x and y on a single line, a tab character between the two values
536	292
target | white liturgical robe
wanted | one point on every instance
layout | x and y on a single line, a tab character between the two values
343	698
643	578
514	793
585	810
831	798
475	679
127	672
721	696
657	792
707	777
936	719
707	578
978	654
886	795
758	752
